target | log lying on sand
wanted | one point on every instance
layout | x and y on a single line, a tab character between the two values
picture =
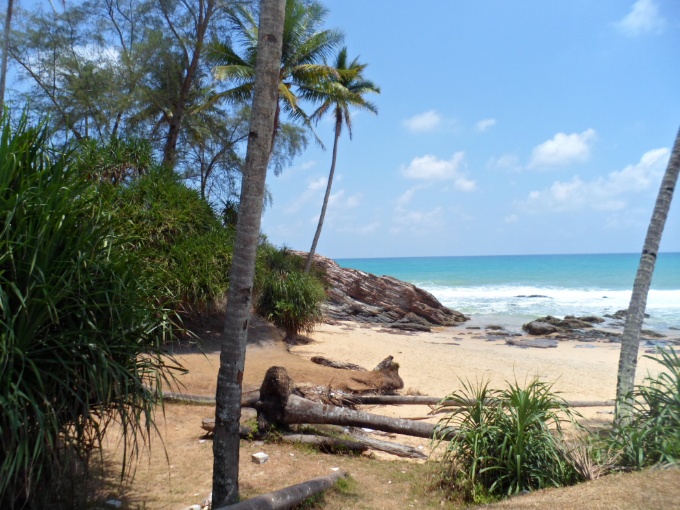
320	360
279	405
290	496
396	400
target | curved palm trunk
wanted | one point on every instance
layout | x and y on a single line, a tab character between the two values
232	356
5	52
630	341
312	250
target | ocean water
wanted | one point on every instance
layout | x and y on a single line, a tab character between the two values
514	289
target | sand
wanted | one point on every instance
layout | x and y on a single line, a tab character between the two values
431	364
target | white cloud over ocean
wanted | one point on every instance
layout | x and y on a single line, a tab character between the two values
563	149
604	193
643	18
431	168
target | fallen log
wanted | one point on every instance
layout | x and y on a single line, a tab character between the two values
326	444
433	401
279	405
290	496
247	400
397	449
320	360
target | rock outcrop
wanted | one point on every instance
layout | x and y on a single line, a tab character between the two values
364	297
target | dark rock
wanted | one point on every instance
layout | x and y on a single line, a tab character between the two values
364	297
621	314
588	318
532	296
495	328
473	327
539	328
653	334
538	343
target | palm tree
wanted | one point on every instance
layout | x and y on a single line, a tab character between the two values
304	47
5	51
630	341
338	95
232	356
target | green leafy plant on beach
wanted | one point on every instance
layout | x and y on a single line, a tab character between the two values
80	336
653	434
287	296
504	442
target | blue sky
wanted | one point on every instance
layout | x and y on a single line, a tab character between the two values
522	127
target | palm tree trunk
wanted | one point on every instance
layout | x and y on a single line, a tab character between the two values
312	250
232	356
5	52
630	341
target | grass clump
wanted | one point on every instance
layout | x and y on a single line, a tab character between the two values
652	435
287	296
504	442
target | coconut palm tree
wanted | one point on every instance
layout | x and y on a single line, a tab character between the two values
630	341
232	356
305	46
338	95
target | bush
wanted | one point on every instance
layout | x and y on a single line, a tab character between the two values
80	346
287	296
506	441
179	242
652	436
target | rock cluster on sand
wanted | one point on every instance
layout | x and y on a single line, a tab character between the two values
364	297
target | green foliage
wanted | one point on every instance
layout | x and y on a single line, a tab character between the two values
505	441
287	296
80	346
653	434
178	240
116	160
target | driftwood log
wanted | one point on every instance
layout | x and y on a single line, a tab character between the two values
279	405
290	496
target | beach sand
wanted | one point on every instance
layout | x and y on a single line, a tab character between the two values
432	364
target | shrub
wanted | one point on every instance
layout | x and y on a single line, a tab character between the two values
653	434
506	441
287	296
80	346
179	242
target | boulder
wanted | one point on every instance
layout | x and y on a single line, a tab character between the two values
364	297
539	327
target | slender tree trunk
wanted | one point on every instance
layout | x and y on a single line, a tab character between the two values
232	357
312	250
630	341
5	52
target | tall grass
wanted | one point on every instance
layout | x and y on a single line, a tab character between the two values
504	442
653	434
80	343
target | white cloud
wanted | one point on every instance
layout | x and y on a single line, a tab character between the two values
644	18
511	218
485	124
604	193
337	200
509	162
423	122
430	168
308	164
317	184
417	221
563	149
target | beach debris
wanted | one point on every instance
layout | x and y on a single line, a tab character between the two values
259	457
320	360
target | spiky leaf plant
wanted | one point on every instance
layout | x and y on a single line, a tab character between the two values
80	344
504	442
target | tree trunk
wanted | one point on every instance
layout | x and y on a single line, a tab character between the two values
288	497
312	250
5	52
630	341
278	405
232	355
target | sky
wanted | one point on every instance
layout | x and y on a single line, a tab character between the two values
523	127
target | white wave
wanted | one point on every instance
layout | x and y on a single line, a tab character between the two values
662	305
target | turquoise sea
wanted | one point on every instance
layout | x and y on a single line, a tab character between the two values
513	289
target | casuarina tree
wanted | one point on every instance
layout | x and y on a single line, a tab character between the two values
232	357
630	341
